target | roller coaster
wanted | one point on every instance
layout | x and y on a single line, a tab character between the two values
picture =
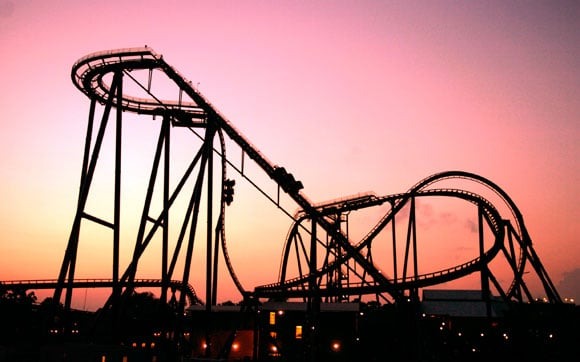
510	240
321	260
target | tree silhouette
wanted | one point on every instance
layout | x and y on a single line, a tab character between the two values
17	297
17	312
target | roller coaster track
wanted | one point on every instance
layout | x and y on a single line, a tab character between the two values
89	76
295	286
24	285
92	76
523	238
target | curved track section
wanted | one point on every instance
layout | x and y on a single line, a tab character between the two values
296	287
89	76
517	226
517	238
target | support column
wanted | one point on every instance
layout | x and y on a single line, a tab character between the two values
67	271
484	274
165	242
117	210
209	227
313	305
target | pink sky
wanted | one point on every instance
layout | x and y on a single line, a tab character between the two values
350	96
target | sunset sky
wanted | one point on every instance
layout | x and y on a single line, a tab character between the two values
350	96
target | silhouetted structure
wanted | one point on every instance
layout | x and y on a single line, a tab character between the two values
321	265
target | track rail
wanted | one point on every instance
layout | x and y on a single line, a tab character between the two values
92	74
89	75
90	283
295	287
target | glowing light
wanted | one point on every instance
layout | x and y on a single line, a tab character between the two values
235	346
335	346
274	351
298	332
